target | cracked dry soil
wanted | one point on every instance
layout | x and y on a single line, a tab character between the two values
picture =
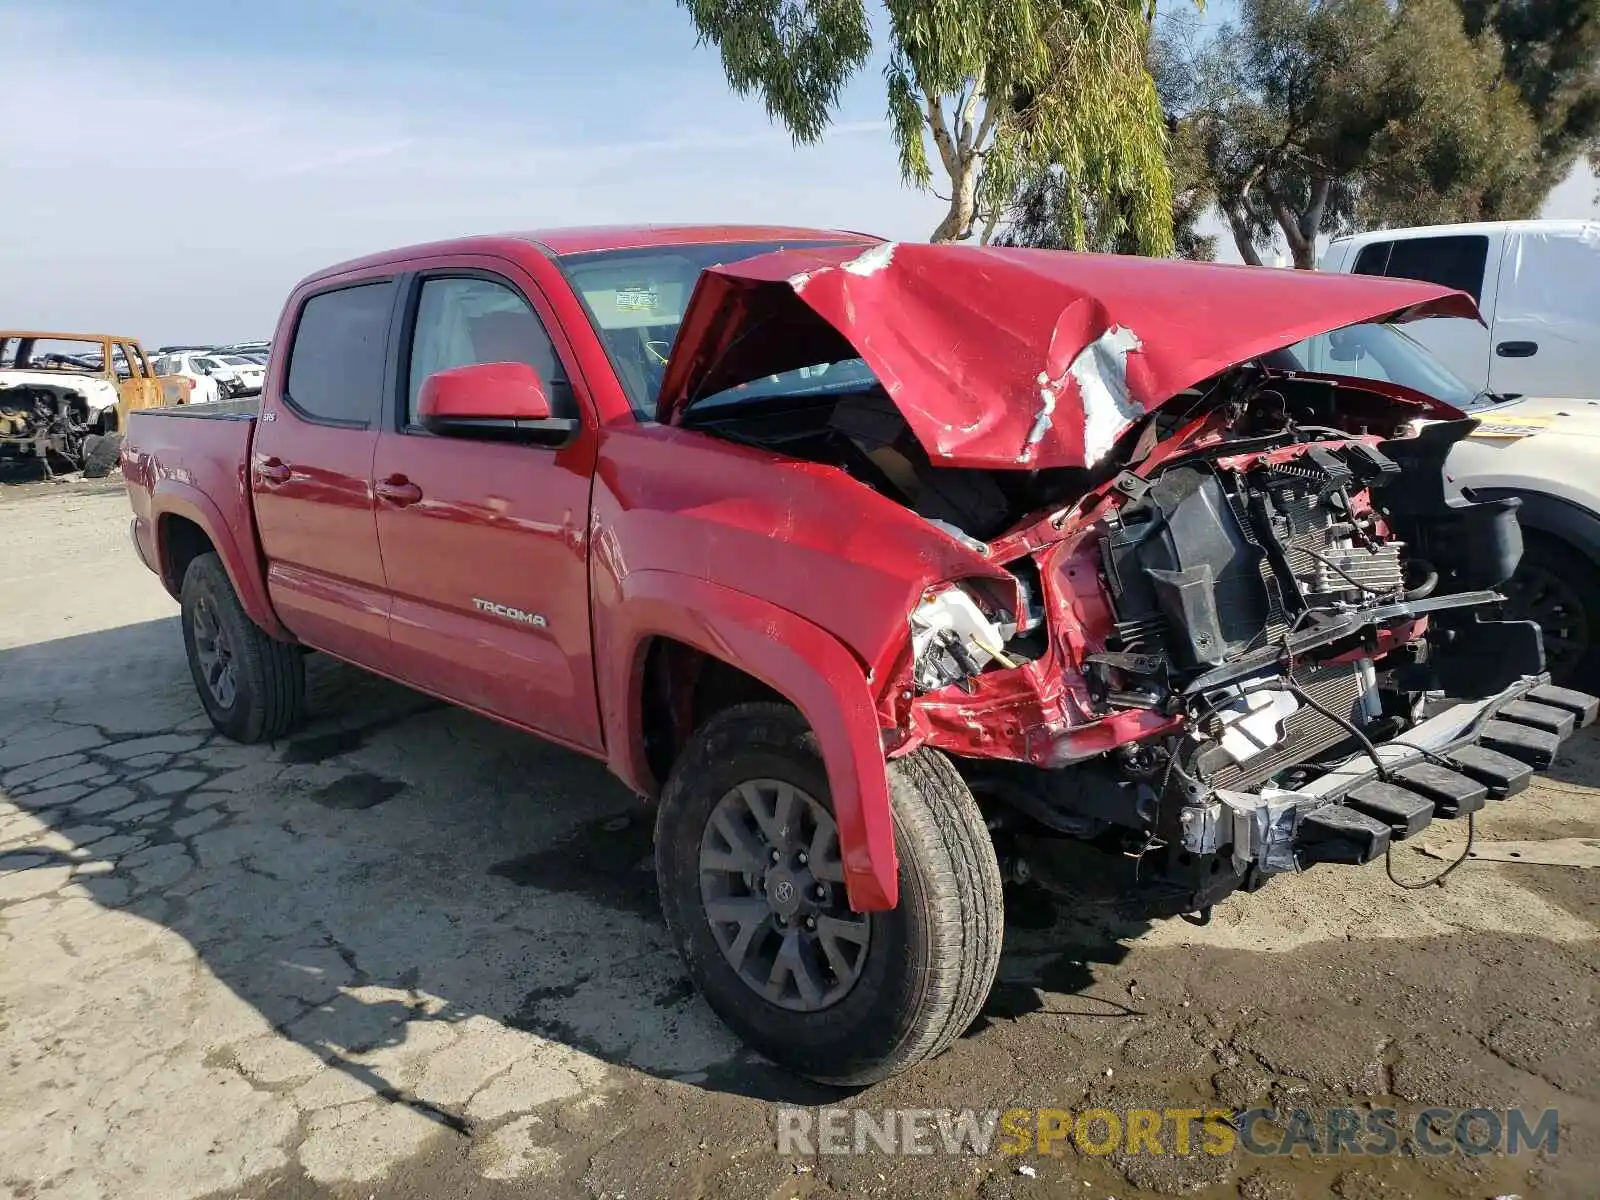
409	953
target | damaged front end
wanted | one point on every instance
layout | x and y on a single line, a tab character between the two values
1212	602
45	421
1245	640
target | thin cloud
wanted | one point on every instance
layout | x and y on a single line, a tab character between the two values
455	17
690	142
348	156
225	135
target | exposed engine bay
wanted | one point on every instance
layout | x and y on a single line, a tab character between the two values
1263	581
865	435
45	421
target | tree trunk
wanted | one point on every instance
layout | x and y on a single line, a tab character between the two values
1242	240
957	223
1299	231
990	223
961	149
1311	222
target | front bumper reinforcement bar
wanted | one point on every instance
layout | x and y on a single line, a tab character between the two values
1446	767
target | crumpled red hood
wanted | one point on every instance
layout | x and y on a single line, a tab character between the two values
1001	357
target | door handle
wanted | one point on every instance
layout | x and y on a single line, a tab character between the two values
398	491
273	471
1517	349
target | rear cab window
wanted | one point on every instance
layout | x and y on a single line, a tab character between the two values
133	358
336	358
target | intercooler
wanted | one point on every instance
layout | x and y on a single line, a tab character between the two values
1325	563
1306	732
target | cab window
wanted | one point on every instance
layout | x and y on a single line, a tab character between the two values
466	320
1455	261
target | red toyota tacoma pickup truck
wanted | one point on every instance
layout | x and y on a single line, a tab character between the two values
887	570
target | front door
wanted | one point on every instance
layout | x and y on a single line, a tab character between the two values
1547	316
485	543
311	474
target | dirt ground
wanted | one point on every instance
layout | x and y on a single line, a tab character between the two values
410	953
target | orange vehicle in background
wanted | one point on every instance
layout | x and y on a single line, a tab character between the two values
67	396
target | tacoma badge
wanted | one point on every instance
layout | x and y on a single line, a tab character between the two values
509	613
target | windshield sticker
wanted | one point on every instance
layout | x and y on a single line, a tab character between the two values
637	298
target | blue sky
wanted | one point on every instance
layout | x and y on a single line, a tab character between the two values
173	166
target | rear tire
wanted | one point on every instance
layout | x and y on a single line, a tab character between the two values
927	965
252	685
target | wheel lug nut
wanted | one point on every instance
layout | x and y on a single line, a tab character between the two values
820	892
811	922
773	856
801	858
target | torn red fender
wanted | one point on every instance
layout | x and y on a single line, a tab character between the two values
1000	357
798	660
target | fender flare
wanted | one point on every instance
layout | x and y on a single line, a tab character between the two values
174	498
1544	513
800	661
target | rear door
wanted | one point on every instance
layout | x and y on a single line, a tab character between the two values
485	543
137	387
311	471
1468	262
1547	316
174	387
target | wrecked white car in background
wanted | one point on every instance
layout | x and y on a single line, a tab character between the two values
65	397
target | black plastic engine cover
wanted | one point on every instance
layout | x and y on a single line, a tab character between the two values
1182	555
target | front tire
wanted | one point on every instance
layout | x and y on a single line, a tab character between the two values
894	987
100	454
1558	589
253	686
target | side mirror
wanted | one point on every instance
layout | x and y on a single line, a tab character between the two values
1344	345
503	400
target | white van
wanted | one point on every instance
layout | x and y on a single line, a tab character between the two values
1537	284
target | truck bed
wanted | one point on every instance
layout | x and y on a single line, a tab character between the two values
190	463
245	406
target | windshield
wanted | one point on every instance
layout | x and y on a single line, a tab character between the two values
636	298
237	360
1373	351
50	354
